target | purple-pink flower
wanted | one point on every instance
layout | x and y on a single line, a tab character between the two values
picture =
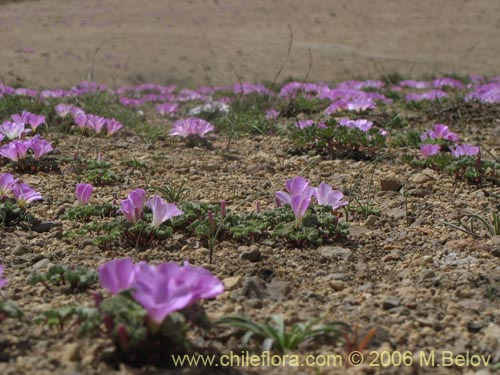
167	109
133	206
24	194
464	150
6	182
13	130
112	126
191	126
440	131
162	211
161	289
16	150
2	280
361	124
429	149
272	114
83	193
326	196
40	147
117	275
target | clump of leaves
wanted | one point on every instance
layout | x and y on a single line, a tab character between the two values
87	212
245	116
337	142
9	309
75	278
99	174
471	169
300	104
174	194
12	215
125	322
275	334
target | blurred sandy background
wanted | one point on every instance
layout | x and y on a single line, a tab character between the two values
56	42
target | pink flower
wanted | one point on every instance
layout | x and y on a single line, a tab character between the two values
112	126
117	275
167	109
83	193
191	126
15	150
2	280
24	194
13	130
162	211
40	147
64	110
133	206
326	196
429	149
464	150
440	131
6	182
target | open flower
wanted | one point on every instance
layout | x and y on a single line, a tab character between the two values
16	150
191	126
295	186
464	150
167	109
6	182
133	206
83	193
429	149
13	130
440	131
361	124
64	110
2	280
169	287
117	275
326	196
40	147
162	211
112	126
24	194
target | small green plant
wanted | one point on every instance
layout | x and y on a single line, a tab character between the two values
11	215
336	142
99	174
75	278
472	224
174	194
275	334
9	309
88	212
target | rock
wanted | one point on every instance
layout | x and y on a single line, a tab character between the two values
70	352
390	303
396	213
253	287
394	255
45	226
21	250
371	221
278	290
85	242
390	184
418	193
420	178
335	252
337	285
496	252
43	263
231	283
251	254
338	276
475	327
493	331
209	167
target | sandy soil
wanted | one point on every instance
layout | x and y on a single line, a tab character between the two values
55	42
